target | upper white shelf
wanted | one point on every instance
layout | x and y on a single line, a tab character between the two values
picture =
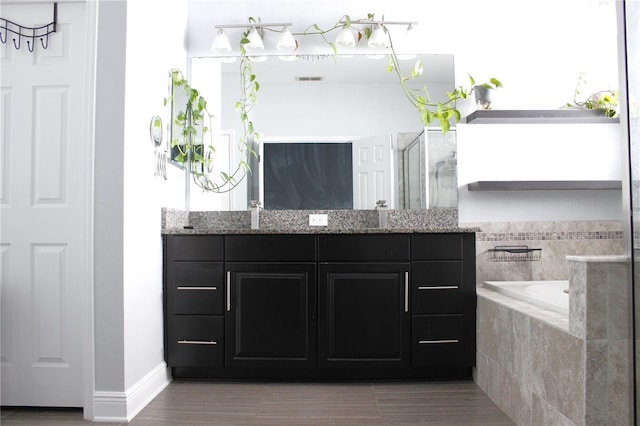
535	116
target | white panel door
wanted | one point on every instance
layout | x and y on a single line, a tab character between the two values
45	206
372	172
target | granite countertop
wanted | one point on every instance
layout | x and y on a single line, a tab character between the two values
319	230
176	222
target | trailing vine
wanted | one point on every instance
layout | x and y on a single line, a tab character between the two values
607	100
429	110
193	143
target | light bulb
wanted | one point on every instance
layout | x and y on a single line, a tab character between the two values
378	38
221	42
345	38
407	44
255	41
286	40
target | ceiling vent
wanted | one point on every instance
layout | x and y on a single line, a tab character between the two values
309	78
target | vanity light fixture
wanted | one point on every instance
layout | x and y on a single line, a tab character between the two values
255	40
286	40
345	38
407	46
255	34
221	42
379	39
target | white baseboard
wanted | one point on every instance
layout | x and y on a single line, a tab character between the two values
112	406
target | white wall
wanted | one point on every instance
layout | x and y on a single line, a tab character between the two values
530	152
150	55
129	362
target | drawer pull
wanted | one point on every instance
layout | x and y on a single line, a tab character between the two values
406	292
439	287
197	342
228	291
195	288
431	342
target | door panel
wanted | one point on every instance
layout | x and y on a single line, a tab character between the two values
270	318
45	204
363	314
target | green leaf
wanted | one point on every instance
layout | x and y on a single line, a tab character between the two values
472	81
333	48
496	82
445	125
417	69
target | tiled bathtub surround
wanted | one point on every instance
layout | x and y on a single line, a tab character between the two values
299	219
544	368
557	239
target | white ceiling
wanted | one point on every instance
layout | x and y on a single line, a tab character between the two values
203	15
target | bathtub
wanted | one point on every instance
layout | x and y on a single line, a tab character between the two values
549	295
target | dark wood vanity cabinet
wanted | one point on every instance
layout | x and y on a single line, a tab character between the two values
193	298
443	300
363	308
270	318
320	306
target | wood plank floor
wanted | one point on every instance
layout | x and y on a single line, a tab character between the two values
352	403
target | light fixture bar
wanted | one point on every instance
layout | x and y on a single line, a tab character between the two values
254	24
383	22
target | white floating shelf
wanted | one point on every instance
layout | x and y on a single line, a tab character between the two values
544	185
541	116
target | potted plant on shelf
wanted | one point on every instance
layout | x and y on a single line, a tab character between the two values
606	101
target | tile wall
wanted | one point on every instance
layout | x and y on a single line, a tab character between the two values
557	239
542	367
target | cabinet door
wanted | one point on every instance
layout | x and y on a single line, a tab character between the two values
270	318
363	314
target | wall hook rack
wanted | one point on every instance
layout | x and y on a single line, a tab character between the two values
29	33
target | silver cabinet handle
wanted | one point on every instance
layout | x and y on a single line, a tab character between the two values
406	291
430	342
197	342
228	291
439	287
196	288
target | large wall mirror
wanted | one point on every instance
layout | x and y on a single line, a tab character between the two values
326	99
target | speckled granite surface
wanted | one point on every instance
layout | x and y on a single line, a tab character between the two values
297	222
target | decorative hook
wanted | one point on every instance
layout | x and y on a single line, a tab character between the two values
30	33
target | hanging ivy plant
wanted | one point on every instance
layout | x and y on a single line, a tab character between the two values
430	111
192	139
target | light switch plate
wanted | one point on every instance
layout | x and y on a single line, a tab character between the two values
318	220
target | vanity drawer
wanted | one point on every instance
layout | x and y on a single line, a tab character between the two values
270	248
363	248
438	340
197	288
196	341
437	287
195	247
436	246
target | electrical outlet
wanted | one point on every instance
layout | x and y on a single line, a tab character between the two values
318	220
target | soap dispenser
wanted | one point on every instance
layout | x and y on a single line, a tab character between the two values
383	210
254	207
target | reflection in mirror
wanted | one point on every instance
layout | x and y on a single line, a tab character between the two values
327	98
427	166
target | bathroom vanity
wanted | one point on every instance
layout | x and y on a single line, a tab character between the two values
319	304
